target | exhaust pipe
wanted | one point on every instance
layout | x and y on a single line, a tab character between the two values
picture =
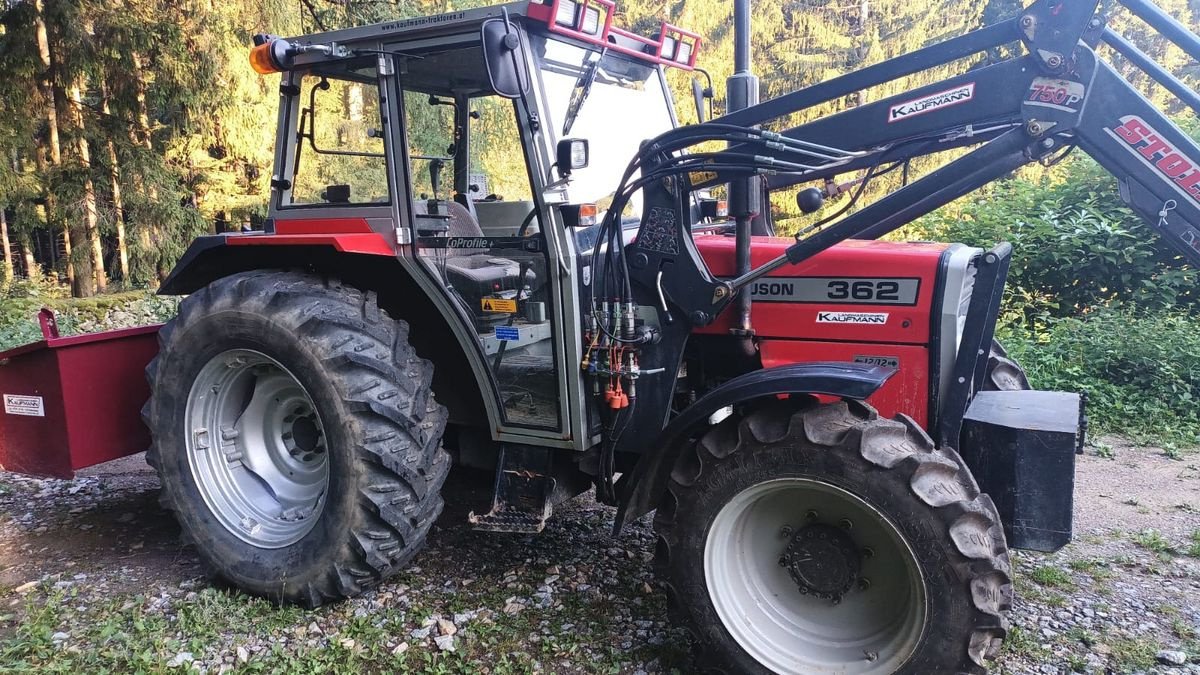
741	91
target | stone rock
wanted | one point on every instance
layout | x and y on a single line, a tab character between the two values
445	642
446	627
400	649
1172	658
243	656
180	659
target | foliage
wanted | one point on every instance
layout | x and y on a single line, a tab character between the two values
1140	369
1075	245
21	301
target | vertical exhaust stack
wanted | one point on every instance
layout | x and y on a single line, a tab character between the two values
741	91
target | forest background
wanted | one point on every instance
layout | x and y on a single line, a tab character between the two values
128	127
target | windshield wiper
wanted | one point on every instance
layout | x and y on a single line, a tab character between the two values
583	87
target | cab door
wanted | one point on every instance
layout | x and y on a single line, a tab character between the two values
478	234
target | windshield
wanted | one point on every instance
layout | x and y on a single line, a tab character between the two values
613	102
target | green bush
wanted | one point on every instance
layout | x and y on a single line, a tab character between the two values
1141	370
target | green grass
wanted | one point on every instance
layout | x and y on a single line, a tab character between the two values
1100	570
1050	576
1133	653
1020	642
121	635
1153	540
1193	548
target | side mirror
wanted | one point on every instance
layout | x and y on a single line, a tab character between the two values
507	72
571	154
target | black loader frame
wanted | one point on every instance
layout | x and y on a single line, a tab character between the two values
1035	107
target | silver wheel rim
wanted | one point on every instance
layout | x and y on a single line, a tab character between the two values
871	630
256	448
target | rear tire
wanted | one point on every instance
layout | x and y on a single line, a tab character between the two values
938	571
295	435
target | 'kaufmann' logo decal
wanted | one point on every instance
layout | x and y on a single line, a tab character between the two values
30	406
1148	145
931	102
869	318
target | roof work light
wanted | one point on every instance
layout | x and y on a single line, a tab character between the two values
592	21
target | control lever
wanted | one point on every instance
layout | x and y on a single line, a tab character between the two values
662	298
435	175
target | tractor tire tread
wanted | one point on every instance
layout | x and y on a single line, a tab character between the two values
400	450
937	477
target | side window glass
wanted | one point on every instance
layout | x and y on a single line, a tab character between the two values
478	233
430	125
340	149
497	159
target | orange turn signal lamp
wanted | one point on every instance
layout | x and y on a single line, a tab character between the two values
579	215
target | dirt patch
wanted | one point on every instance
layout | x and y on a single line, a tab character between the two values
1136	488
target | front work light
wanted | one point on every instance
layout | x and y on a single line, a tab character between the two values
571	154
270	54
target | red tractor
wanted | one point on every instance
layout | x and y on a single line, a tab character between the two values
490	244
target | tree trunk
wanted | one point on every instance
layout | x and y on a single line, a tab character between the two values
31	265
50	98
8	258
140	134
118	205
90	214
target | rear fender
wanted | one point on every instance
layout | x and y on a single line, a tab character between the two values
362	260
642	487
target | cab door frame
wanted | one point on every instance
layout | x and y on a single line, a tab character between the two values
560	260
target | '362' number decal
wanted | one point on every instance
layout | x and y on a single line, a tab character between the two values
882	290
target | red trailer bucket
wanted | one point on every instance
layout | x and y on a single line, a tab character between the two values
71	402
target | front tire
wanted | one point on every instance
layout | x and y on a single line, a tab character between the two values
295	435
799	538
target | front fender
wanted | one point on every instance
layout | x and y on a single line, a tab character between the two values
639	490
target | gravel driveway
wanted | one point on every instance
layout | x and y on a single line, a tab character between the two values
92	578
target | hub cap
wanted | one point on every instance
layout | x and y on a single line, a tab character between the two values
256	448
808	577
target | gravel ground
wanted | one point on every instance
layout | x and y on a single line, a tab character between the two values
92	577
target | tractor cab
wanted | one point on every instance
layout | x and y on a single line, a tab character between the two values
403	129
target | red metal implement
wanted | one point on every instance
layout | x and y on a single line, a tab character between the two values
71	402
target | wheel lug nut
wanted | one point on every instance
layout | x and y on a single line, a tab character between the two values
786	531
812	515
868	552
846	524
864	583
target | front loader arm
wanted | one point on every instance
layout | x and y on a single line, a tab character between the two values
1156	164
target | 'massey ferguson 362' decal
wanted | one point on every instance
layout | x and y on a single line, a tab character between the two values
838	290
931	102
1139	138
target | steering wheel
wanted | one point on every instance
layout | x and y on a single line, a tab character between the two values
527	222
